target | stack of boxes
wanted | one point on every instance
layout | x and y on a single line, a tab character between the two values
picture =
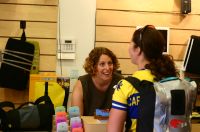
75	119
61	119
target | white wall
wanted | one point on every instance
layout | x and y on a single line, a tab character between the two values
77	19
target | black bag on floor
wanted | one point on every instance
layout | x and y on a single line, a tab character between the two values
30	116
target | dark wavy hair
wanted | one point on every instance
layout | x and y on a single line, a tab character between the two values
151	43
94	56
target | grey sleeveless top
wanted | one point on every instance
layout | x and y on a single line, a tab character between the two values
93	98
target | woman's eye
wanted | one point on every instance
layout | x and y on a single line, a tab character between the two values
110	63
102	64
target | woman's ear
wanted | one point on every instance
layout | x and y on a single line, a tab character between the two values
138	51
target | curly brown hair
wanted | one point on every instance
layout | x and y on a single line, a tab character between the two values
94	56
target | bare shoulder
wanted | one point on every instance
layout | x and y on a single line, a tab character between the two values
77	87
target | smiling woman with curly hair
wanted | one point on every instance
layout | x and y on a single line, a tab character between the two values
94	90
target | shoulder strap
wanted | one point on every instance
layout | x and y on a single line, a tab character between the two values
46	89
7	104
146	105
134	81
137	84
46	100
168	79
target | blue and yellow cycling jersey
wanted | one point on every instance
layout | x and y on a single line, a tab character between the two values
127	98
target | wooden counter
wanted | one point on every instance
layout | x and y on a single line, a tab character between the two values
94	125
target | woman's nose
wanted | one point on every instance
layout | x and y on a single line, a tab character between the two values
106	66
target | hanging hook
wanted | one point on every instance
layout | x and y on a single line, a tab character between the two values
23	24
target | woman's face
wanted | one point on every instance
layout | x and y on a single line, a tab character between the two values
104	68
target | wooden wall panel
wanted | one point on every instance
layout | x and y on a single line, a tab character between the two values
30	2
116	21
124	18
181	36
48	63
114	34
177	51
28	12
12	95
132	67
41	26
33	29
121	50
124	63
124	34
47	46
172	6
151	5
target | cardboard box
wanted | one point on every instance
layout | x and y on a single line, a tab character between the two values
93	125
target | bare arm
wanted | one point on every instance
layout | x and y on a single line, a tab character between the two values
116	120
77	96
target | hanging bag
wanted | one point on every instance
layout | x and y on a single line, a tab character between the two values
16	63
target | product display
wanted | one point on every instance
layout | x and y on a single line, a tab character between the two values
75	119
61	120
74	111
101	114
